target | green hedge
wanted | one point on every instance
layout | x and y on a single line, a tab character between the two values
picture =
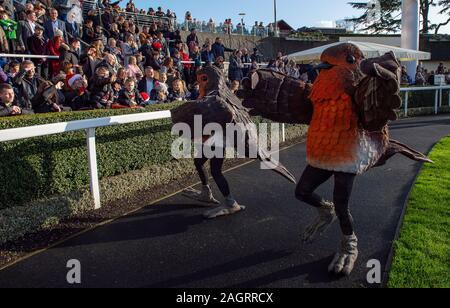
40	167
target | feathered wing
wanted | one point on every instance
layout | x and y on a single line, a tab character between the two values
223	108
377	95
277	97
376	99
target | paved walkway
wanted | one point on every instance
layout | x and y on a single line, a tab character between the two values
170	245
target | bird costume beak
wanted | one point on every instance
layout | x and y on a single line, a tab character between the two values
324	66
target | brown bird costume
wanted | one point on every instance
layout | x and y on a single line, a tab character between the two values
347	110
217	104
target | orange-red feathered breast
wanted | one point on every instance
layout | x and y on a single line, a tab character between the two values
335	142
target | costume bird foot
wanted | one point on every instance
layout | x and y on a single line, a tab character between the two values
224	210
326	217
204	195
344	261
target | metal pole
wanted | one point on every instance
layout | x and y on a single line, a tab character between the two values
436	101
93	171
275	25
440	98
410	31
283	132
406	103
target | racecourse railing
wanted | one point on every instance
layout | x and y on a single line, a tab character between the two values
90	127
438	96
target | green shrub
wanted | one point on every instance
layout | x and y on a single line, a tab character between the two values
44	166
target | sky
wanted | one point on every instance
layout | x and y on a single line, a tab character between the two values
297	13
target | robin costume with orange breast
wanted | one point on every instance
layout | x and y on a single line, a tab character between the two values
347	109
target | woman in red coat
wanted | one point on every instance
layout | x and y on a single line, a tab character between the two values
53	48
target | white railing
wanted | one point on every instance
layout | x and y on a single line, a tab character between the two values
89	126
437	97
8	55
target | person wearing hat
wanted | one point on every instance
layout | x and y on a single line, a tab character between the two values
53	24
54	46
38	46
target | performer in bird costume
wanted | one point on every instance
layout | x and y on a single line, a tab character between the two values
217	104
347	110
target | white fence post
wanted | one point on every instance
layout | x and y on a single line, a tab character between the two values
436	102
93	172
283	132
406	103
440	98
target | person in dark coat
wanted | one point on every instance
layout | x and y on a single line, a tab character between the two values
53	24
27	83
100	88
235	69
219	49
38	46
25	30
130	96
8	102
71	54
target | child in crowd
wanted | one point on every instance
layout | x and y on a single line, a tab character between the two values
130	96
178	92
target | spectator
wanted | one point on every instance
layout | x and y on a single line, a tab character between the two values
3	76
49	97
38	46
192	41
26	30
255	56
53	46
8	33
8	102
246	61
219	49
52	25
88	32
112	48
207	55
101	90
235	72
234	87
27	83
147	84
89	62
405	79
129	96
211	26
440	69
160	13
132	69
431	78
73	29
177	92
420	78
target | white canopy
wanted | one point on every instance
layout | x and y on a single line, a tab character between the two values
370	50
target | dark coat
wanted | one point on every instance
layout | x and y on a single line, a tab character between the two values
101	91
69	56
26	89
73	30
235	70
48	29
219	49
125	100
24	31
142	86
37	46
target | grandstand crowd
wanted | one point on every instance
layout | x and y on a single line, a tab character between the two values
103	60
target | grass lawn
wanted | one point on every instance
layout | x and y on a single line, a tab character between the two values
422	253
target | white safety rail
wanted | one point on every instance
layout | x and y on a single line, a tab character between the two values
89	126
437	97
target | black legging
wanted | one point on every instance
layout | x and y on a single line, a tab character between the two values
216	172
312	178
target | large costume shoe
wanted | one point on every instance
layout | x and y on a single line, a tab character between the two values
204	195
325	219
231	207
344	261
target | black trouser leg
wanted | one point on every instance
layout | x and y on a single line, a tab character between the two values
200	166
219	178
343	185
311	179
